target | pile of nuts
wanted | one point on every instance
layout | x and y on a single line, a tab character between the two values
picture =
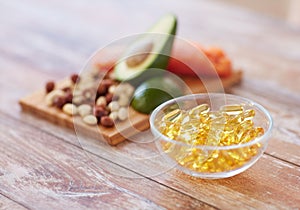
103	103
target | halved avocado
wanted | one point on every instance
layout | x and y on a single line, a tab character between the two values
149	52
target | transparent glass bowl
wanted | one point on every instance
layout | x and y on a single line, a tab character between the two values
209	161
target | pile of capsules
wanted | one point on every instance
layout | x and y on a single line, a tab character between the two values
230	125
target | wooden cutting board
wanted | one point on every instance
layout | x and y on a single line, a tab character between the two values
35	104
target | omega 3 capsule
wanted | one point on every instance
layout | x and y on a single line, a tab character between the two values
173	115
232	109
200	109
230	125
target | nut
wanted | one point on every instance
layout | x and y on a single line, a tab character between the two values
113	116
99	111
124	88
128	90
53	94
109	97
77	92
74	78
119	90
59	101
84	85
112	89
113	106
107	121
84	110
70	109
49	86
68	97
107	83
90	120
102	89
122	113
123	100
88	93
101	101
77	100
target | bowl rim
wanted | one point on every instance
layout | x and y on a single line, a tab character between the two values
156	132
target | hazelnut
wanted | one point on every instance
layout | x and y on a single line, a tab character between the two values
49	99
109	97
107	83
50	86
68	97
102	89
74	78
59	101
99	111
106	121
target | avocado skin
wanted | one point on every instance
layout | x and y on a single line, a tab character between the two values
159	96
154	92
159	64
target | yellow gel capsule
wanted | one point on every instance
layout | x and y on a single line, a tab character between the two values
230	125
201	109
173	116
215	114
248	135
232	109
248	114
259	131
218	121
244	126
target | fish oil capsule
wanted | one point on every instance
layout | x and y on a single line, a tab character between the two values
234	119
259	131
221	120
232	109
204	118
215	114
173	116
248	114
244	126
198	110
230	125
248	135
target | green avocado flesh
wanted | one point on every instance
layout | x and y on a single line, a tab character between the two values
149	54
154	92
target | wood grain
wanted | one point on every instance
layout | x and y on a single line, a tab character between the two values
35	104
61	175
266	179
6	204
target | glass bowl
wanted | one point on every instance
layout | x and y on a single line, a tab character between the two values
211	160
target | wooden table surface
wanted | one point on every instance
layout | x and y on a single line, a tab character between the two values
43	166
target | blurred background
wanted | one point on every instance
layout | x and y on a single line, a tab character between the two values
288	10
